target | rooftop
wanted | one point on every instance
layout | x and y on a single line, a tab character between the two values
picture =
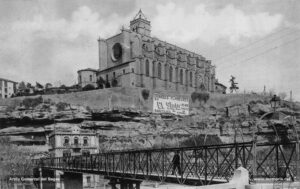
2	79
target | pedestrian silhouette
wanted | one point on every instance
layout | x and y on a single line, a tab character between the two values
176	163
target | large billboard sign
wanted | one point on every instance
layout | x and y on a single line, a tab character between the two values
175	104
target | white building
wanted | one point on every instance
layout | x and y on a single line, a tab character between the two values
87	77
7	88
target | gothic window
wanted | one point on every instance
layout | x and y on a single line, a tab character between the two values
159	70
191	79
170	73
153	69
181	77
147	68
145	47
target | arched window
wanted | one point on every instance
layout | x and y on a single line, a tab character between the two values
76	141
66	141
85	141
181	77
170	73
191	79
159	70
147	68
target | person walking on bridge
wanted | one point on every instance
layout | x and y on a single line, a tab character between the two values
176	163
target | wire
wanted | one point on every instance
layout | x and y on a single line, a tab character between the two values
264	52
255	42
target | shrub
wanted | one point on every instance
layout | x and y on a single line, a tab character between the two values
201	97
201	139
100	83
88	87
32	102
107	85
114	83
61	106
145	94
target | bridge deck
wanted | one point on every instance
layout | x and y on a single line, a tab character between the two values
200	165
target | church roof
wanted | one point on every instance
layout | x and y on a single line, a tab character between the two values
141	15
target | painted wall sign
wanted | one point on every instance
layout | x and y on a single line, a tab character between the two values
165	103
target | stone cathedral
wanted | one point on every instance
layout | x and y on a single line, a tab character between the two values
133	58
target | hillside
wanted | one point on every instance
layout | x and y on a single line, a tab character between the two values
123	119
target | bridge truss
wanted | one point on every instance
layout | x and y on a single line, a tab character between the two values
200	165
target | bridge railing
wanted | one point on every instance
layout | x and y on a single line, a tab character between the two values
202	164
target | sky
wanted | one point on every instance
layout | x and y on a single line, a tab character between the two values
257	41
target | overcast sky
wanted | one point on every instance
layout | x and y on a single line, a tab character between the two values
255	40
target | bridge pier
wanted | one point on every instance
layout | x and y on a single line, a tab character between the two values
73	180
124	183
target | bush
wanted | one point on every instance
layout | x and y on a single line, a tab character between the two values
100	83
61	106
88	87
145	94
32	102
201	139
201	97
107	85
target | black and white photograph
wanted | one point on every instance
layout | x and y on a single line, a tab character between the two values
141	94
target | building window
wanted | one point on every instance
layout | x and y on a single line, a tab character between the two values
76	140
191	79
170	73
80	79
91	78
88	181
181	77
147	68
106	78
132	70
85	141
86	153
159	70
66	141
66	153
124	71
5	83
114	74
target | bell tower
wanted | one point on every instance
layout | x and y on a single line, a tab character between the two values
140	24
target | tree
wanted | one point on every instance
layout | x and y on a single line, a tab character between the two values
28	85
282	95
48	85
88	87
22	86
114	82
100	83
14	160
233	85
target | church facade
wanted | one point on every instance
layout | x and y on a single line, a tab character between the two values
133	58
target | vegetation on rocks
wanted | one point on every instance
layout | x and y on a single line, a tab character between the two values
200	96
32	102
145	94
